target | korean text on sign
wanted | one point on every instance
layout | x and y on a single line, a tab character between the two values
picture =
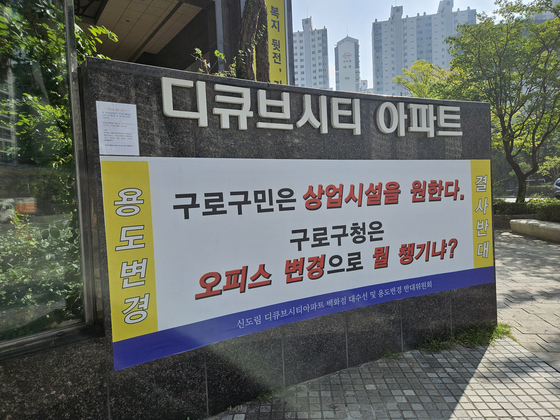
130	248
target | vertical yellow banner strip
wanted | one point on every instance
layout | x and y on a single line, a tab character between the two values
277	40
482	213
130	248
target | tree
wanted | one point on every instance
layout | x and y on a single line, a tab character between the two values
514	64
33	46
38	265
253	43
421	79
251	61
550	166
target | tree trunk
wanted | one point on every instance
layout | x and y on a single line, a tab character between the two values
263	63
508	143
521	177
522	190
254	20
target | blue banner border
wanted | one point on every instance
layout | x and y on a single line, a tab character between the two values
133	351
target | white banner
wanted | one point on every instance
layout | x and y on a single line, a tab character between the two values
238	236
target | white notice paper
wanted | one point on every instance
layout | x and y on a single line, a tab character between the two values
117	126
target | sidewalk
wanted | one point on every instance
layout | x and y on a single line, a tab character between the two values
503	381
528	280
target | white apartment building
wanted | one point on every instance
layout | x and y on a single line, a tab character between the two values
363	85
311	56
399	42
347	64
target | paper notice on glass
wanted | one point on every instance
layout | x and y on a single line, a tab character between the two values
117	126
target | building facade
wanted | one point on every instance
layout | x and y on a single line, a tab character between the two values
347	65
363	85
311	56
398	42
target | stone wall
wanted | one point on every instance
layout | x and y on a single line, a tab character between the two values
78	380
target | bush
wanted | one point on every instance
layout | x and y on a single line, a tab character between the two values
549	211
505	207
38	268
545	209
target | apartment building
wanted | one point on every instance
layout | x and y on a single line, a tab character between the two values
399	41
311	56
347	64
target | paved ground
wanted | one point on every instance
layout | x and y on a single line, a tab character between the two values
503	381
528	284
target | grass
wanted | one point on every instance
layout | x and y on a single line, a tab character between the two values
388	354
467	337
268	395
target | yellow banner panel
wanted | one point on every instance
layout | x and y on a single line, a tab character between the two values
277	51
130	248
483	251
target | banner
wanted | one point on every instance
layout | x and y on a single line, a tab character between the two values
277	42
202	250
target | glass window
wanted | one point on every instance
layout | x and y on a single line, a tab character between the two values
40	271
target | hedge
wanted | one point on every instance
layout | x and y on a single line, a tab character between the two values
549	212
545	209
505	207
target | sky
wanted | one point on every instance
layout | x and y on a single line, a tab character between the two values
354	18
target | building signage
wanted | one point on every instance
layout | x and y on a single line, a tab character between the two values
201	250
275	114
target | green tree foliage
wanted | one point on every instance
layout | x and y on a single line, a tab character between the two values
514	64
422	79
206	67
40	266
551	166
33	45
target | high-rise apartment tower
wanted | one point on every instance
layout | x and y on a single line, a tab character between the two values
399	42
311	56
347	64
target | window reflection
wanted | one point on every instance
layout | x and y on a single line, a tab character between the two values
40	280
